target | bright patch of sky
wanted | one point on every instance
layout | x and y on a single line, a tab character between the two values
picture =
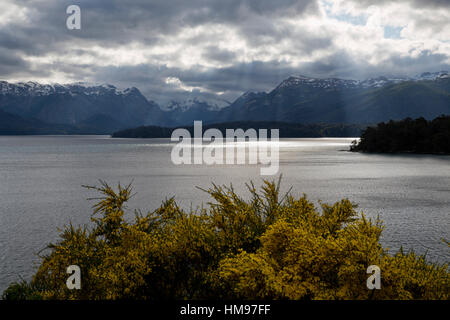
359	20
392	32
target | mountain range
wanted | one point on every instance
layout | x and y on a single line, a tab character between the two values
80	108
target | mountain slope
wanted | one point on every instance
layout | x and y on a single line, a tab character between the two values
15	125
309	100
77	103
84	108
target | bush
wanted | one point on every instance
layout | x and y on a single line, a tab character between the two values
18	291
267	247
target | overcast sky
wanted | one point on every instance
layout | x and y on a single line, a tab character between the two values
170	48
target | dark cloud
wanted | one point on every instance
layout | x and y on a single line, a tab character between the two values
255	75
112	23
341	64
407	65
432	3
10	62
118	21
232	81
216	54
149	23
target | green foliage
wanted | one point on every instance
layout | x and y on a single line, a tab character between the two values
266	247
415	136
18	291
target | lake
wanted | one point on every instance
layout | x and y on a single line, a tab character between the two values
41	180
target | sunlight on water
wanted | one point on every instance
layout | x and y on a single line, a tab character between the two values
41	180
282	143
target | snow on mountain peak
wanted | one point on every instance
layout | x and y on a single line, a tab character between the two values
377	82
326	83
36	89
209	104
432	75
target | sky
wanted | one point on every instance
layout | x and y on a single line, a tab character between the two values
218	49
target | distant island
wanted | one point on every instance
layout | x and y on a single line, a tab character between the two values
407	136
287	130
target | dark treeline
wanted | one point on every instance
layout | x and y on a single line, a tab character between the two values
408	135
287	130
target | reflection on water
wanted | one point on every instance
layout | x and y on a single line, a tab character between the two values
41	179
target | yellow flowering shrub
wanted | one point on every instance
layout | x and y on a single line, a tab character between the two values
267	246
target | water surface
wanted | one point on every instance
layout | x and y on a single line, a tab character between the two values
41	180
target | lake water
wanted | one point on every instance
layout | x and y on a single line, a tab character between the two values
41	180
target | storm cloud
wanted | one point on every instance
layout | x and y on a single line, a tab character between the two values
173	49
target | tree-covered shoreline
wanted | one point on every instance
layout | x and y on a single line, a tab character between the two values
417	136
286	129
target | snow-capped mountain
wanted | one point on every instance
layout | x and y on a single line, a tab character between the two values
197	102
312	100
32	88
327	83
432	76
79	104
103	108
248	95
185	112
336	83
381	81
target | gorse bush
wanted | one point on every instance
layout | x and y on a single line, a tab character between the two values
267	247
